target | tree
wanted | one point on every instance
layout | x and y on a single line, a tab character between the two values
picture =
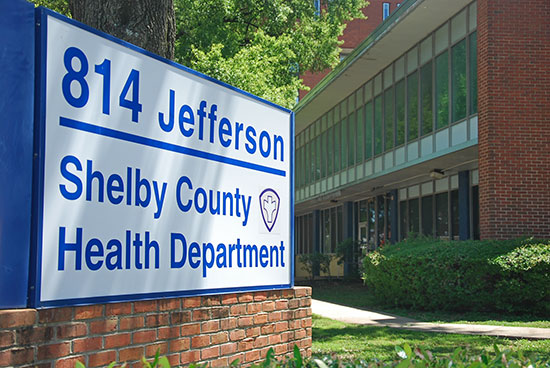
149	24
260	46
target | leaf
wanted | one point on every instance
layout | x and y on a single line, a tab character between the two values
111	365
78	364
269	357
297	357
400	352
164	362
408	350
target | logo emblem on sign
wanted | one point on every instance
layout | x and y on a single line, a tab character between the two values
269	206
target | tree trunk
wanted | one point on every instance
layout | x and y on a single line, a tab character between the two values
149	24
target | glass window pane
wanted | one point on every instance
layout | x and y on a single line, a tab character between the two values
318	158
324	144
340	228
312	156
442	214
344	142
473	73
454	214
378	125
352	140
400	111
306	162
368	130
360	126
414	216
337	131
363	214
333	226
427	98
326	232
371	221
427	215
330	151
380	220
412	106
442	89
388	119
459	80
403	220
475	210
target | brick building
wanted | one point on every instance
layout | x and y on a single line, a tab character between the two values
438	123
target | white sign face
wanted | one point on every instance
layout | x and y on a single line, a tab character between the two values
156	180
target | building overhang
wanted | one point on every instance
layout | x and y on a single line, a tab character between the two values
450	163
404	28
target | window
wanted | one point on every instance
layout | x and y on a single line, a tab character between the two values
454	214
352	134
388	119
414	216
458	80
380	220
475	211
378	125
473	73
344	142
442	214
403	220
442	90
400	111
412	106
368	130
330	150
360	135
427	215
385	10
337	130
426	96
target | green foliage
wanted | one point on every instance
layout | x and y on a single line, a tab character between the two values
256	45
313	262
511	276
405	357
60	6
261	46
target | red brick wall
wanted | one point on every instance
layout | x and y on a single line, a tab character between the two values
514	118
213	329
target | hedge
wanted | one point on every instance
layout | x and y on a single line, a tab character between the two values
426	274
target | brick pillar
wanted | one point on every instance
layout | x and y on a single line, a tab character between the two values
514	118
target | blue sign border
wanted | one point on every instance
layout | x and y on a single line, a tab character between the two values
38	171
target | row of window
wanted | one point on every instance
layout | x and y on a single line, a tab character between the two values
428	93
433	215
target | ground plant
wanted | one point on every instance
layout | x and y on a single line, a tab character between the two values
404	356
487	276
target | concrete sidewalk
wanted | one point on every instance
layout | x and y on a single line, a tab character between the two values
363	317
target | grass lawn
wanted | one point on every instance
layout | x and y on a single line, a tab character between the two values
350	341
355	294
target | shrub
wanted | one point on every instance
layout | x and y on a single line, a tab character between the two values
315	262
511	276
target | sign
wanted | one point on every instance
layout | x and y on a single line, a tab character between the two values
156	181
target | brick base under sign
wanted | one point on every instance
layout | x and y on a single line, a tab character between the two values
214	329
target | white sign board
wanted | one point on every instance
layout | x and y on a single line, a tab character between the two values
156	180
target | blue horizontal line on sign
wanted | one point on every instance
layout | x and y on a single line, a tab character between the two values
107	132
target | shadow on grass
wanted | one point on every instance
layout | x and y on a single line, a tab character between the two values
367	342
353	293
